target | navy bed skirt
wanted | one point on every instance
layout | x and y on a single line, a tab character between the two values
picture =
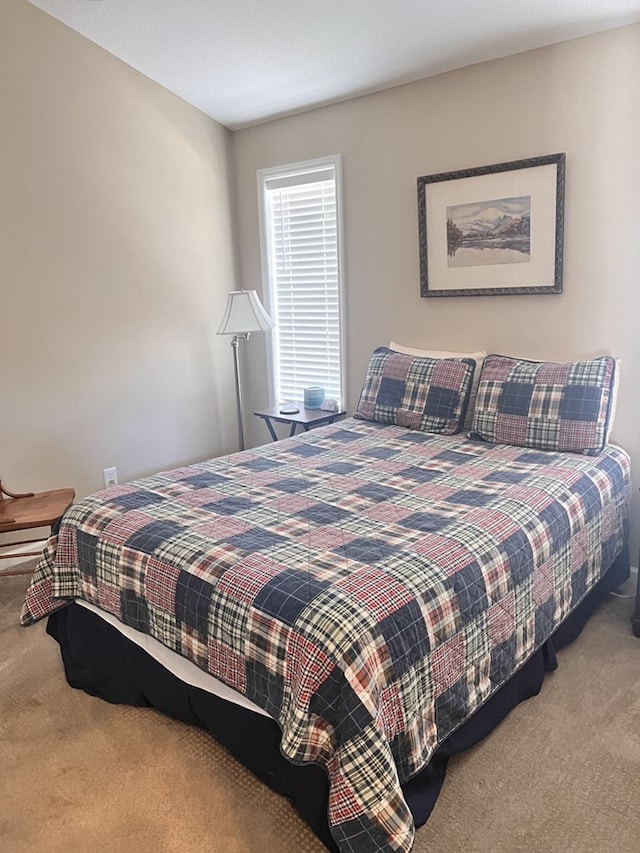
100	661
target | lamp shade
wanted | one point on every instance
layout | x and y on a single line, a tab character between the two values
244	313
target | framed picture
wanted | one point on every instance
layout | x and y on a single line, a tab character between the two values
493	230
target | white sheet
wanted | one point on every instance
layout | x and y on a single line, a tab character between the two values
178	666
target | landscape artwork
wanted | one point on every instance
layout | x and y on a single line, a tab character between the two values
497	231
493	230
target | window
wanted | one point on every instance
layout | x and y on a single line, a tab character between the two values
300	236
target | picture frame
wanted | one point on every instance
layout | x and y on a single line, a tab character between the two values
493	230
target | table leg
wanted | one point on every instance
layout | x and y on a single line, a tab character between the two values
292	431
272	432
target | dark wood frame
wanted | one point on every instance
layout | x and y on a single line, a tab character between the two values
531	162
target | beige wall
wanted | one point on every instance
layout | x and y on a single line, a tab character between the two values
580	97
117	240
117	253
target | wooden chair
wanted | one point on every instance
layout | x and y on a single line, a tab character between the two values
28	511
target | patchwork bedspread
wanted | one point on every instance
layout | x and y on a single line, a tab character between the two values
369	586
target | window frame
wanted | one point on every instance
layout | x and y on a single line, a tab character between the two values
291	170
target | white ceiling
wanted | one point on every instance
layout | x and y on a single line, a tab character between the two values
246	61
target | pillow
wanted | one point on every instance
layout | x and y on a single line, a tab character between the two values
614	393
436	353
429	394
562	406
614	398
478	357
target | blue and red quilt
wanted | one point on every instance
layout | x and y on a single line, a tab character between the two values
369	586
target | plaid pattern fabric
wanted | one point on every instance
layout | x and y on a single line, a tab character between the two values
370	587
429	394
545	405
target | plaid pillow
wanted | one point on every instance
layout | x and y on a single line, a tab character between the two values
478	357
545	405
429	394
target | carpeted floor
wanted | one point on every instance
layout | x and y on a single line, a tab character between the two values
560	775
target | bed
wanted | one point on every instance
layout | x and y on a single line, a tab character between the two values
376	595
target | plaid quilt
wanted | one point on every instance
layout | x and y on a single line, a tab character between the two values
369	586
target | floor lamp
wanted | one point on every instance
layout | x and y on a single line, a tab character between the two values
244	314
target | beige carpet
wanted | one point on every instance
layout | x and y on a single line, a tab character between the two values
560	775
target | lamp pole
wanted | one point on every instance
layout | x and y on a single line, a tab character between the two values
244	314
235	343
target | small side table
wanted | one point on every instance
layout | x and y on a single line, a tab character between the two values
305	417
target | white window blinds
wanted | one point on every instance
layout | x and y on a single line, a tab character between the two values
301	239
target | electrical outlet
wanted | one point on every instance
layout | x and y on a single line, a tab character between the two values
110	477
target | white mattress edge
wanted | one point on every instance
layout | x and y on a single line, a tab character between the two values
182	668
